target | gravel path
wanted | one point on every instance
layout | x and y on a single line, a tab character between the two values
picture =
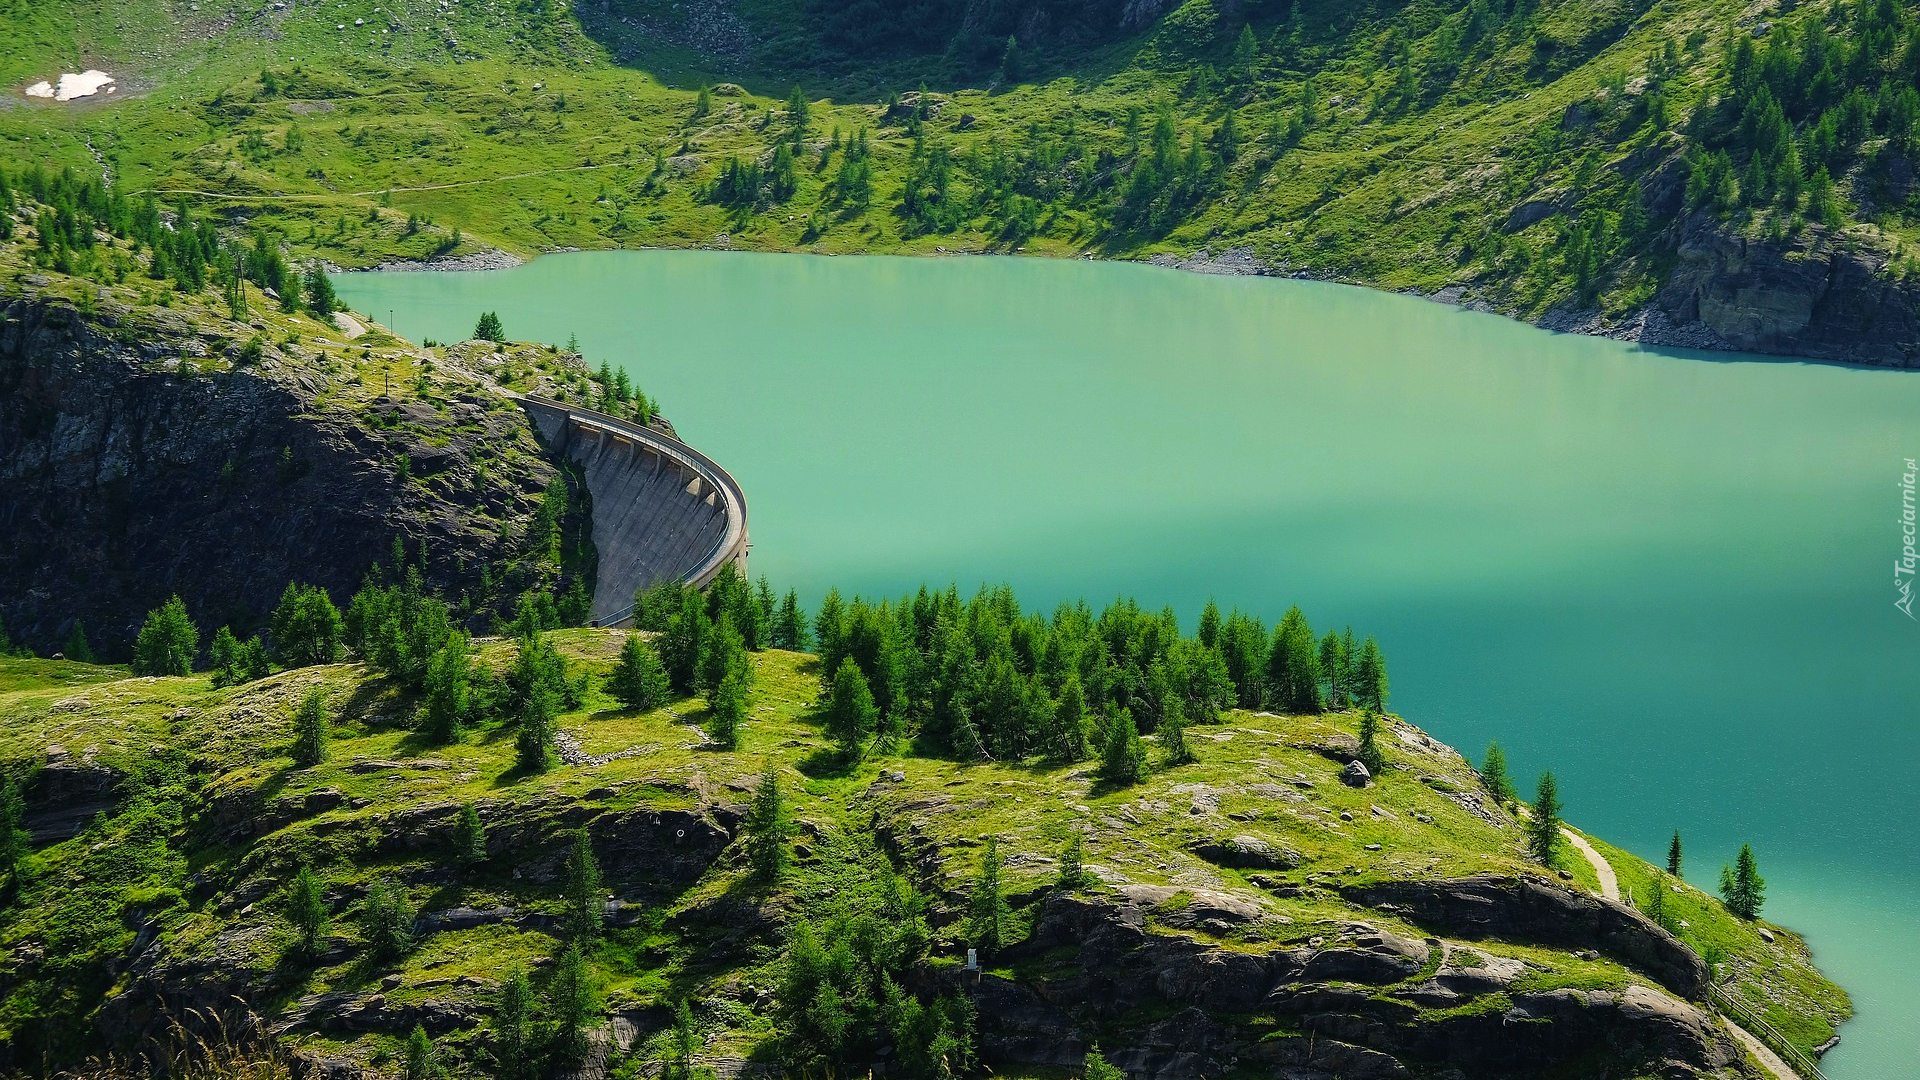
1609	881
1610	888
1759	1050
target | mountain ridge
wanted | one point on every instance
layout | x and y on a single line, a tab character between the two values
1585	164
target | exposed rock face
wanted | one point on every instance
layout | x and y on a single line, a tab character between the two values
128	473
1814	295
1352	1007
1523	909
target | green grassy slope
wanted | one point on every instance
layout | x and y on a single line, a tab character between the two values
1537	155
176	860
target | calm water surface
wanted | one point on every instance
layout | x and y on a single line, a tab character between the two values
1666	577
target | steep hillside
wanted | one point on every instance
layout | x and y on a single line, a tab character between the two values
1250	912
1704	172
164	432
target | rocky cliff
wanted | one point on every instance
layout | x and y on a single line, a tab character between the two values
148	449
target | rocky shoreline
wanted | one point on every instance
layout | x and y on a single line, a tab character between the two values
488	259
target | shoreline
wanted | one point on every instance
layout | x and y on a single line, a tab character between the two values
1648	326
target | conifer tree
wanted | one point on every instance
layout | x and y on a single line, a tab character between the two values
725	653
585	895
769	826
1124	759
684	645
449	691
307	910
513	1041
168	641
987	909
1334	661
1543	831
1742	887
489	328
1209	629
223	655
1494	775
321	300
1673	856
307	628
310	729
1097	1067
1073	873
790	625
851	713
419	1061
639	681
386	922
1070	721
1173	732
1370	754
469	838
1293	675
967	744
1656	905
727	707
570	993
77	647
830	630
1370	677
798	112
685	1038
532	743
16	848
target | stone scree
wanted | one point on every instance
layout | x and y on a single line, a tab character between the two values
662	511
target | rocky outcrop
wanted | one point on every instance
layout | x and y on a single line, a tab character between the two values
1526	909
1816	295
1173	1007
140	457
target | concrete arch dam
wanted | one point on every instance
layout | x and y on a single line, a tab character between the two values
662	511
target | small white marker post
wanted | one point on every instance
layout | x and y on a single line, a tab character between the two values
973	960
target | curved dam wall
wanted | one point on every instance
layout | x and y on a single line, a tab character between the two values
662	511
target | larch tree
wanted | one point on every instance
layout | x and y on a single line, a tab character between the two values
168	641
1543	830
1123	761
1370	753
851	713
533	742
585	894
1741	885
514	1044
987	909
769	826
1070	721
570	998
469	838
307	910
1493	774
1293	675
77	648
1172	733
639	680
310	723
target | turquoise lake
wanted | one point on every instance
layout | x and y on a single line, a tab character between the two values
1666	576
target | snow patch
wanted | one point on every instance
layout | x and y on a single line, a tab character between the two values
72	85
